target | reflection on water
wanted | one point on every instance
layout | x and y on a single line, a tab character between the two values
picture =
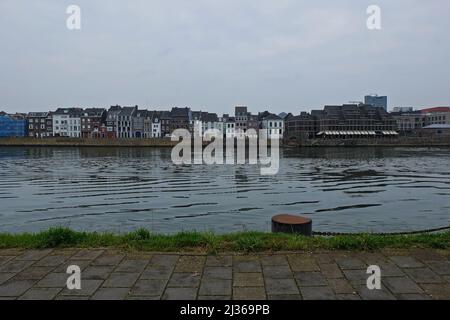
121	189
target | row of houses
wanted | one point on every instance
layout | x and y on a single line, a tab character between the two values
333	121
410	122
133	122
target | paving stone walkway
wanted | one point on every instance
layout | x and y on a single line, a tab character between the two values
106	274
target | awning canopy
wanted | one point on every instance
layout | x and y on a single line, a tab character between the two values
390	133
356	133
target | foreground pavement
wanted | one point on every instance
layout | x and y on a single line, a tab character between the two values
106	274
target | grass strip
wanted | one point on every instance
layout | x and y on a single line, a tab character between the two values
144	240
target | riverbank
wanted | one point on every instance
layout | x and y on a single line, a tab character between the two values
166	142
128	275
143	240
75	142
413	142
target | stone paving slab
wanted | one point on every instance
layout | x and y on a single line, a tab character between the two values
416	274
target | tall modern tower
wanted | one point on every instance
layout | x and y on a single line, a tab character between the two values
376	101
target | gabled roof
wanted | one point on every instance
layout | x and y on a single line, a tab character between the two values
15	117
115	109
272	117
164	114
180	112
70	111
38	114
436	110
240	109
93	112
301	116
127	111
210	117
196	115
142	114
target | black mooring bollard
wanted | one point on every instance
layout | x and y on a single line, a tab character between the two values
286	223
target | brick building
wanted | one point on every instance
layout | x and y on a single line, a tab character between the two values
40	124
93	121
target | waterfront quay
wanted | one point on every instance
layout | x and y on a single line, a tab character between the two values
419	274
369	123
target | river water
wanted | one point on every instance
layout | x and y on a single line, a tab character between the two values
122	189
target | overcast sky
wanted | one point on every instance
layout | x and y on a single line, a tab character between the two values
281	55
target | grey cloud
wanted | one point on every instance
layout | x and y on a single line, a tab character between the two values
286	55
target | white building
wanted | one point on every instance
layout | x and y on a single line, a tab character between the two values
156	126
274	126
67	122
230	128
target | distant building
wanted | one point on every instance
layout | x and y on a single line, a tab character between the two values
376	101
40	124
241	119
155	121
349	120
437	130
180	118
93	123
403	109
304	126
436	115
140	118
111	121
229	126
350	117
253	123
274	126
165	123
67	122
15	125
206	121
409	122
125	122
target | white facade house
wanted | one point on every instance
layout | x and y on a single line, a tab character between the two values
201	122
213	128
156	126
230	127
152	125
67	122
274	126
